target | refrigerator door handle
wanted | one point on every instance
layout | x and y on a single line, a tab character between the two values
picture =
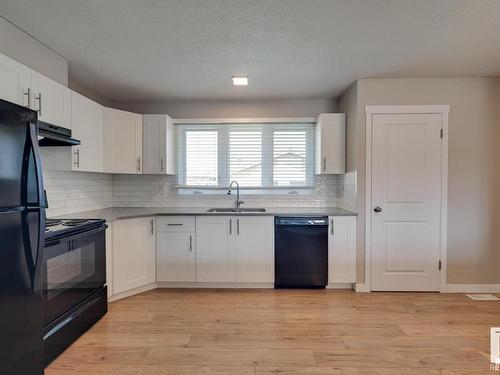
38	165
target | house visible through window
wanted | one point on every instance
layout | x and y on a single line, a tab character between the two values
258	156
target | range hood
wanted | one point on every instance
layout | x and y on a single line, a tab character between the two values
53	135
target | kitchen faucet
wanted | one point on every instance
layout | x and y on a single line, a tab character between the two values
238	202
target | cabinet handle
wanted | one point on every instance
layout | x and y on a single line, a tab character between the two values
174	224
230	226
139	164
161	164
238	226
331	226
39	98
28	93
190	243
152	226
77	154
324	163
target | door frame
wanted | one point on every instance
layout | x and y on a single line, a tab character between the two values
371	110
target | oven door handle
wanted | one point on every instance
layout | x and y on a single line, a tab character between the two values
76	236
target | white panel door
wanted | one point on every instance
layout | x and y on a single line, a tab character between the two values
254	251
51	100
406	202
122	141
87	125
215	236
342	249
133	254
175	256
15	79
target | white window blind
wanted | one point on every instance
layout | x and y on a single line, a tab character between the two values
245	157
289	158
201	157
258	155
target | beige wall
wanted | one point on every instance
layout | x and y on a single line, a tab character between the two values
236	108
474	158
20	46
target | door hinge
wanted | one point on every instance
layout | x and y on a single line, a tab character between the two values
439	265
442	133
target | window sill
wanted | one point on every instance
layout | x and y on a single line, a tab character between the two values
208	190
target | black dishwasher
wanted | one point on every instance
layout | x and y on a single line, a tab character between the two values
301	252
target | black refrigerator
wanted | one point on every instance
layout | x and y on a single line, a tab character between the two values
22	228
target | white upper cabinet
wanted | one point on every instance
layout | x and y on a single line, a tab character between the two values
254	251
331	143
51	100
122	141
87	126
133	254
158	145
342	249
15	79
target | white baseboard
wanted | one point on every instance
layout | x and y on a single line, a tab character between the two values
163	284
132	292
472	288
361	288
348	286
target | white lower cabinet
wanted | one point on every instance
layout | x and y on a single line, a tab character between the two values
342	249
175	249
234	249
215	236
133	254
254	249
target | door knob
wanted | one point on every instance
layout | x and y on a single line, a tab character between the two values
377	209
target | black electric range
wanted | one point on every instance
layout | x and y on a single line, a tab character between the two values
74	281
57	228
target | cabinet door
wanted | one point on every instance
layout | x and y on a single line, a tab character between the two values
122	141
175	256
51	100
87	126
215	248
342	250
154	143
133	254
330	143
15	81
254	249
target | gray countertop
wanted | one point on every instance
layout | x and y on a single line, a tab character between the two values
117	213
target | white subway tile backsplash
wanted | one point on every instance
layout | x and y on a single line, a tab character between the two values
69	192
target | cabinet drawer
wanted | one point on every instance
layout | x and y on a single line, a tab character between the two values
175	224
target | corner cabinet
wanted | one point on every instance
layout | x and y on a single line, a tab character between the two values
342	249
122	142
234	249
158	144
331	143
133	256
87	125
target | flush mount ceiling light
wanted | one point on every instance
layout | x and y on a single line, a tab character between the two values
240	81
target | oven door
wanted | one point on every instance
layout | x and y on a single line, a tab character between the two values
74	268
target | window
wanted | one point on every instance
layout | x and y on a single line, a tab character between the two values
258	156
201	157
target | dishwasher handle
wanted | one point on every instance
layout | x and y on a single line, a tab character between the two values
301	221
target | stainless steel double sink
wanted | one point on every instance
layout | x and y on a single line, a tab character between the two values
226	209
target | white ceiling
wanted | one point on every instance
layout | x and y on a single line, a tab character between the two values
155	50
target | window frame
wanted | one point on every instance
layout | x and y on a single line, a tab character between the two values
182	125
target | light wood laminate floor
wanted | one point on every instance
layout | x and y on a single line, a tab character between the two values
285	332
